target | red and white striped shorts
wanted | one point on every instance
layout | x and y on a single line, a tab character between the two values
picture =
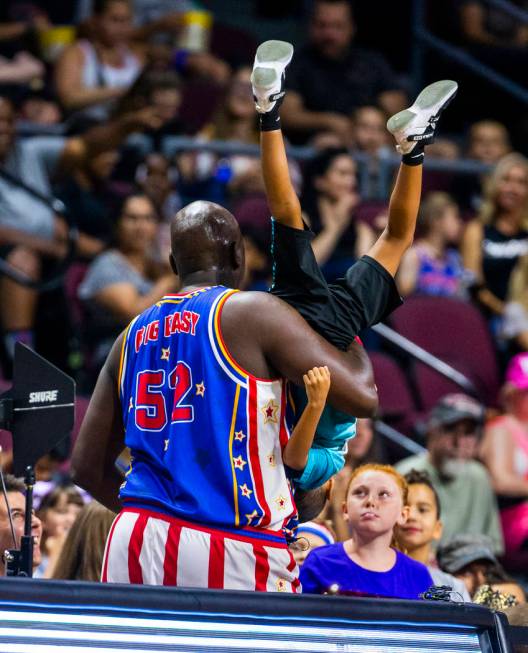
150	548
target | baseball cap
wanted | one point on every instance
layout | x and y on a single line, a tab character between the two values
517	372
464	549
455	407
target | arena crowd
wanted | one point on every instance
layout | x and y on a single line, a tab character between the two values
94	96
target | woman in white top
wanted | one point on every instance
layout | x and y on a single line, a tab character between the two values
92	73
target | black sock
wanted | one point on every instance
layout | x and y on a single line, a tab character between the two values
270	121
416	156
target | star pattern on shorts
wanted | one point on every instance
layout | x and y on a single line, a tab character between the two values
166	445
239	462
271	460
281	502
270	411
246	492
251	517
239	436
165	353
200	389
281	584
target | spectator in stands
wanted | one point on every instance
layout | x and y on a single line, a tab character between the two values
40	108
257	274
489	141
471	558
330	76
504	451
15	490
167	17
329	198
23	68
57	512
311	535
466	496
482	24
514	328
498	237
367	563
123	281
433	266
95	71
29	229
235	121
87	196
369	130
81	557
423	529
365	447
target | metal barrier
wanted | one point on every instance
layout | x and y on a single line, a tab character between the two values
424	39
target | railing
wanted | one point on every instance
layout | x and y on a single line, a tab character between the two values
424	39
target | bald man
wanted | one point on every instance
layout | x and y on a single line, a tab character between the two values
196	388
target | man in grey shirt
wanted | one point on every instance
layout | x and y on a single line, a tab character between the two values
29	230
467	500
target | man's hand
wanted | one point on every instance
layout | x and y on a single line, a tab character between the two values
317	385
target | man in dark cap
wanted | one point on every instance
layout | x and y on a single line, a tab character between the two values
462	483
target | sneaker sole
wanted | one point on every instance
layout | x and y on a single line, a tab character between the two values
277	53
437	95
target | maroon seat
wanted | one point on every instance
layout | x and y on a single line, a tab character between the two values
396	404
455	332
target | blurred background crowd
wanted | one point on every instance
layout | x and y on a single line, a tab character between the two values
115	113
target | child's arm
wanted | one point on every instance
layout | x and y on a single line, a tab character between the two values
282	198
317	385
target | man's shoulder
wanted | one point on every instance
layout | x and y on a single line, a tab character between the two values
476	471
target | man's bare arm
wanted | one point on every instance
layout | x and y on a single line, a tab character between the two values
101	438
276	339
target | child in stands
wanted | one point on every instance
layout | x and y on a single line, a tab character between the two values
368	564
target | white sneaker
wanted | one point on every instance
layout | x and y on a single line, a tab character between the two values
418	122
267	77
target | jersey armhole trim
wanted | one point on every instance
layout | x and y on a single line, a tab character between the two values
230	359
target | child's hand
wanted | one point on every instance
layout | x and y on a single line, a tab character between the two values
317	385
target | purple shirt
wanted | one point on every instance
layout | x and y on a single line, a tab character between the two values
330	565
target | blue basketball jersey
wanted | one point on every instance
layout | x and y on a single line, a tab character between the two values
206	437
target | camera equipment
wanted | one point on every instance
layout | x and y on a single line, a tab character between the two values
39	411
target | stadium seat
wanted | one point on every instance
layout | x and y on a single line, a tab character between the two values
396	404
252	211
200	99
455	332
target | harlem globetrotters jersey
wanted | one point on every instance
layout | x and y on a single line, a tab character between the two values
206	437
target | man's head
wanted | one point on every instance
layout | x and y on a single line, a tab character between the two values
453	431
7	127
17	505
370	133
332	27
470	558
489	141
206	243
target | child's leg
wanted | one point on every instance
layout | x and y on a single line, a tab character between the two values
267	79
413	129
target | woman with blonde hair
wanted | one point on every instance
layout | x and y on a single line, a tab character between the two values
369	562
82	554
495	240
